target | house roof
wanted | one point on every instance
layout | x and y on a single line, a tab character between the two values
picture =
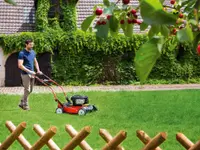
85	8
18	18
21	18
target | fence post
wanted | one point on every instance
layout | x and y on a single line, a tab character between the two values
145	138
13	136
108	137
78	138
196	146
51	144
115	141
72	132
156	141
44	139
181	138
21	139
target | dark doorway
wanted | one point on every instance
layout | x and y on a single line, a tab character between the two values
44	60
12	72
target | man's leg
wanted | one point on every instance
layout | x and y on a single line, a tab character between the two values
32	82
26	83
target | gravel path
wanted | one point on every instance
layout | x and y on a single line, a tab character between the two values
43	89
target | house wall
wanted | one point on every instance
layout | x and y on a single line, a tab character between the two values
2	67
13	19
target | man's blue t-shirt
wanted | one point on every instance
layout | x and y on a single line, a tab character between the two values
28	58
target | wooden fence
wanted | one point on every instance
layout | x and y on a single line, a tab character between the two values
78	139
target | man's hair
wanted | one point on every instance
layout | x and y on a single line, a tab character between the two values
28	41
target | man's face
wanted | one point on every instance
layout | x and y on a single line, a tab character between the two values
29	46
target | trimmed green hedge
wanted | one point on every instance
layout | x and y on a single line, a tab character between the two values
79	60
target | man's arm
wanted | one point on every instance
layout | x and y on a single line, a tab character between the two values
37	66
21	66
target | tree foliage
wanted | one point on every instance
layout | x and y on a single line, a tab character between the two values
181	19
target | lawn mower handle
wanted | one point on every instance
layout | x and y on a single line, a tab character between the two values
40	80
50	80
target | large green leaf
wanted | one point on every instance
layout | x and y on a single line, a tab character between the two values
11	2
197	4
129	30
113	34
185	35
196	40
109	10
162	1
87	22
155	29
152	13
146	57
102	31
193	22
106	3
164	30
114	23
143	26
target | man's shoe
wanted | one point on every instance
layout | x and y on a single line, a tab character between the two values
24	107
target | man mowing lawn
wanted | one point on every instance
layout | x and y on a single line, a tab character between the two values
26	61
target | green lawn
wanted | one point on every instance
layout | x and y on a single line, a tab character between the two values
153	112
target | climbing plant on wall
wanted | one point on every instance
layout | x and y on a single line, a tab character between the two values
42	14
66	9
69	13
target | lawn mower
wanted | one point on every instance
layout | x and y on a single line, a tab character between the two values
78	104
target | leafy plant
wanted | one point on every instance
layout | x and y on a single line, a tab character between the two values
78	59
11	2
42	15
180	19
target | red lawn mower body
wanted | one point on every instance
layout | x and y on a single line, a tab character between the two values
77	105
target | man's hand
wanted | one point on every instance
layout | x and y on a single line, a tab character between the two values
32	72
39	72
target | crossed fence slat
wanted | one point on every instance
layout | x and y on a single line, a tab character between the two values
185	142
108	137
44	139
144	137
151	144
113	143
196	146
51	144
76	140
156	141
21	139
72	132
13	136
